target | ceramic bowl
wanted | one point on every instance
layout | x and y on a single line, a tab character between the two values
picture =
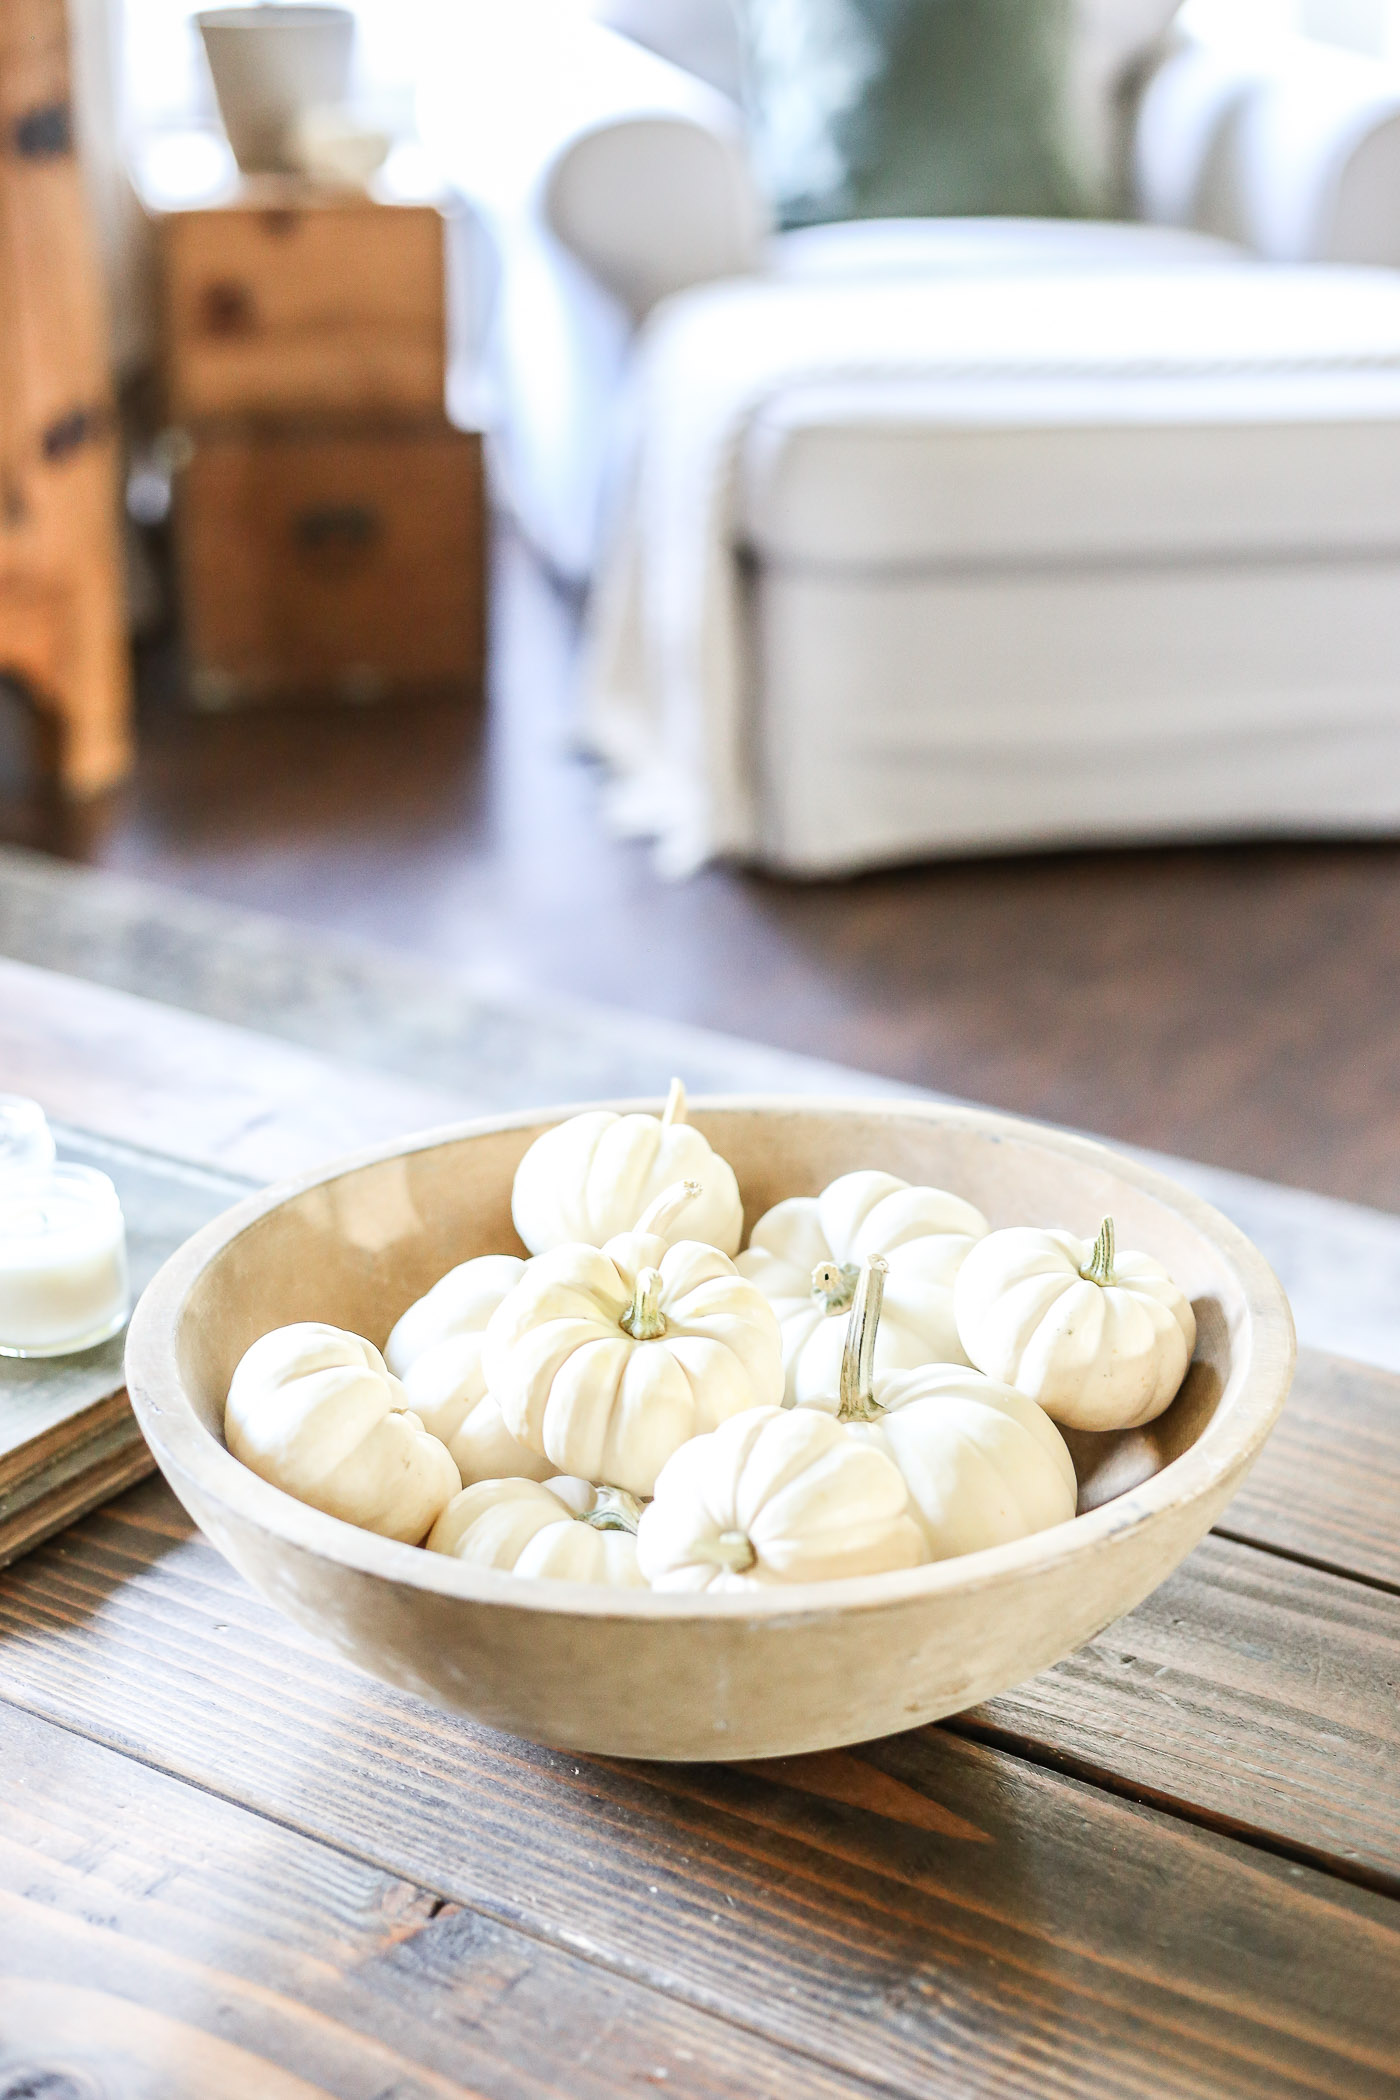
629	1673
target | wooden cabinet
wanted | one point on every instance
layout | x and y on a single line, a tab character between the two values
344	560
329	521
62	602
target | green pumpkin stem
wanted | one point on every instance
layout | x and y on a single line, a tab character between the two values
732	1551
835	1283
644	1319
615	1510
1099	1267
858	1402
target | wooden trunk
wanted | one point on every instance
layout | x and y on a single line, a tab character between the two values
298	302
329	528
338	561
62	608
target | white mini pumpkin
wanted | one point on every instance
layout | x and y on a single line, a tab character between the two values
1100	1339
607	1359
316	1411
805	1255
436	1350
982	1463
561	1529
778	1495
595	1176
461	1302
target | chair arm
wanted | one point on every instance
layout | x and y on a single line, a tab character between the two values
651	205
636	167
1292	150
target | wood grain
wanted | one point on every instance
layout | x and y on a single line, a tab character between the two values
978	1943
92	1475
1252	1689
1326	1486
193	1088
1249	1691
145	1925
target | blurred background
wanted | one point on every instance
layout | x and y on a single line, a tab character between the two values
874	528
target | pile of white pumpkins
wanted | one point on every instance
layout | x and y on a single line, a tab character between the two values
873	1383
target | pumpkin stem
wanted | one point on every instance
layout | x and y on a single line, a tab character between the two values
614	1510
835	1283
674	1111
644	1319
858	1403
1099	1267
663	1210
732	1550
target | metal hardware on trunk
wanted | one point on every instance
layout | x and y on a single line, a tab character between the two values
44	133
338	527
68	433
227	307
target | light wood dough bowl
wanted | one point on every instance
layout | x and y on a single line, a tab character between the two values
634	1674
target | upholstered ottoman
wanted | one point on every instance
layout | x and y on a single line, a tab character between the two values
992	566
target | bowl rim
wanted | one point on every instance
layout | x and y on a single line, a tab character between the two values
183	1446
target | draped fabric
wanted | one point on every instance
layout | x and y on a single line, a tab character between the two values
669	687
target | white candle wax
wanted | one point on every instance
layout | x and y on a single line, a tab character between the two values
26	1142
63	1281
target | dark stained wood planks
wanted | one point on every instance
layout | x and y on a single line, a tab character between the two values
1248	1691
1253	1689
1326	1486
928	1913
163	1942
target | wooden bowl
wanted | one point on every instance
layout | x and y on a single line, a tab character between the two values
629	1673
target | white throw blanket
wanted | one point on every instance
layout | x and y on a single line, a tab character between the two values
666	686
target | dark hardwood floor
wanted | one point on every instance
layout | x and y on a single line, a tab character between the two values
1241	1004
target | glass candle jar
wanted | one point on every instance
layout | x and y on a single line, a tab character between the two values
63	1276
26	1142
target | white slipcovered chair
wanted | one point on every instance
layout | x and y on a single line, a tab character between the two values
928	537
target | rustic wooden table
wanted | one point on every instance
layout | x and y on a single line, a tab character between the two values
231	1866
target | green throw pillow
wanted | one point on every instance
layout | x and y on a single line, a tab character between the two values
874	109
